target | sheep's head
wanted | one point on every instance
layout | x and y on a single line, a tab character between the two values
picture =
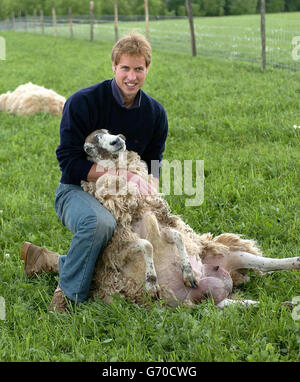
100	144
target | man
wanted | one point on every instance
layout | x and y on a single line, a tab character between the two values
120	106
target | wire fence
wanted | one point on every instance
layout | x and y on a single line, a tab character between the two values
231	37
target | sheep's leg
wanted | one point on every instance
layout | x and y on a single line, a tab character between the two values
173	236
239	260
228	302
151	284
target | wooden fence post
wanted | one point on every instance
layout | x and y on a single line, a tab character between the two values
92	20
147	19
13	21
71	22
34	18
190	16
263	34
42	21
19	24
26	21
116	20
54	21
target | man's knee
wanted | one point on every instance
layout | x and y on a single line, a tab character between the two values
107	224
100	224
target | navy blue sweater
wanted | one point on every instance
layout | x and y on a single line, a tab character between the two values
145	128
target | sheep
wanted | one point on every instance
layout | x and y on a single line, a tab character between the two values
178	265
29	99
127	208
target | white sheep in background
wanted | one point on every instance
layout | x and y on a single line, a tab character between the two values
31	99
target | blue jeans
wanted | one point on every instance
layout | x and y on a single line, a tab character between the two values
92	226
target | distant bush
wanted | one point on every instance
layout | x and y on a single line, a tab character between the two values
213	7
156	7
292	5
241	7
273	6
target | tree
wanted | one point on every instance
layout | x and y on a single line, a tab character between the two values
213	7
9	6
124	7
4	9
158	7
176	5
273	6
241	7
292	5
196	9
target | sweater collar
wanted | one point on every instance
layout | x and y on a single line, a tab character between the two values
120	99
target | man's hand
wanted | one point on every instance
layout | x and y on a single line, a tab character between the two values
144	187
96	171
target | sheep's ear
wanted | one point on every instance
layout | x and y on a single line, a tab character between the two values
90	149
122	136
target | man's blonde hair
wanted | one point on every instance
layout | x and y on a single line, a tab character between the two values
133	44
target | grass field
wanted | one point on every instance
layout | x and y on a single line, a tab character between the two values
227	113
233	37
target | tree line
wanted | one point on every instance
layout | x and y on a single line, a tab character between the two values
156	7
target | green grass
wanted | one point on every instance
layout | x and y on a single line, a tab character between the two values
233	37
229	114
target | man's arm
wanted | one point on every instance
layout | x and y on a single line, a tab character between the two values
95	172
74	127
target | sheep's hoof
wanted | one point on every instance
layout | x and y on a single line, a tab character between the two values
189	279
190	283
153	288
156	294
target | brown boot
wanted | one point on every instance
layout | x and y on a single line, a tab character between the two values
38	260
59	301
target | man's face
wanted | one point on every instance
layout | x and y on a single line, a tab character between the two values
130	75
